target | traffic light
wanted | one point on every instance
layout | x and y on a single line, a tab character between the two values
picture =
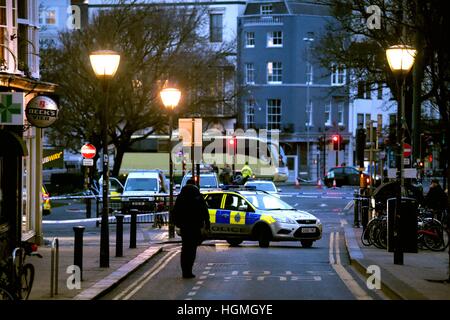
360	146
232	145
336	140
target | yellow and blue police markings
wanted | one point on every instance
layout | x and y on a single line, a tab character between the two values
237	217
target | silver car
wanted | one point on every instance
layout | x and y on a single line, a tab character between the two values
264	185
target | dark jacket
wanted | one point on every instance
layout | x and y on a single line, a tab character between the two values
436	198
190	210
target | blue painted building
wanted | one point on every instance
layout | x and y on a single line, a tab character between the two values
284	88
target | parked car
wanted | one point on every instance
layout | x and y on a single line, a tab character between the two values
142	186
346	176
208	180
115	187
264	185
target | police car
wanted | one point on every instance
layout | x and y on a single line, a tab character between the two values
246	214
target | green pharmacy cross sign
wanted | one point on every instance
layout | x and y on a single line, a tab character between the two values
8	108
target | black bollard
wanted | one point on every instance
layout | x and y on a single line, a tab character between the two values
119	235
78	248
88	208
133	223
356	206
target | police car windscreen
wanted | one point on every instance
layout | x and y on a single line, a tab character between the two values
268	202
142	184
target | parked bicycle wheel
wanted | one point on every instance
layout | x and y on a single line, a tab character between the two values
5	295
382	237
26	281
433	239
365	239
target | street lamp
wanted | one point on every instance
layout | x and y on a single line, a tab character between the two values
105	64
309	78
170	98
401	60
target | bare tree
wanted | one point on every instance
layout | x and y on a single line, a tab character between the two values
156	43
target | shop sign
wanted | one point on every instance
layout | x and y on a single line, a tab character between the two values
11	108
41	111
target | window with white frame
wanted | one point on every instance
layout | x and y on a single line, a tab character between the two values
249	73
328	114
48	17
216	27
274	72
309	114
250	113
275	39
249	39
338	75
360	120
368	120
266	9
273	114
8	27
340	107
363	120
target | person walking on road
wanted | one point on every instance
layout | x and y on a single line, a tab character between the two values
190	215
246	172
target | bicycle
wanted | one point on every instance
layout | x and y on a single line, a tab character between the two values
16	276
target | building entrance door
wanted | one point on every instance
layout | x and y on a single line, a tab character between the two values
292	164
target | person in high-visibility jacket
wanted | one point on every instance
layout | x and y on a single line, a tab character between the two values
246	172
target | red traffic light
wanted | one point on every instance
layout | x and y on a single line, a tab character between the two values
231	142
335	138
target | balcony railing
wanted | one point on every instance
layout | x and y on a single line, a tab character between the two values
262	20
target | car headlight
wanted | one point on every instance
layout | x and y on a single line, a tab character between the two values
285	220
318	221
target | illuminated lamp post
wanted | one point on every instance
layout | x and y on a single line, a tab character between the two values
170	98
105	64
401	60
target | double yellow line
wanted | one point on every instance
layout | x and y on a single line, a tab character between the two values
146	277
345	276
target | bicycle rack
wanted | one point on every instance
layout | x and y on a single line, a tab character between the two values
54	273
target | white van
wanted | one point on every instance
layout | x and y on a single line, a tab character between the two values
140	187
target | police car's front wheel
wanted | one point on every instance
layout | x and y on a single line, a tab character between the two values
234	242
263	235
306	243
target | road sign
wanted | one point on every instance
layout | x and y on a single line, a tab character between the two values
406	150
88	162
88	151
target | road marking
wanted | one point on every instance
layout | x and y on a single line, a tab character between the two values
138	284
345	276
349	205
343	222
330	249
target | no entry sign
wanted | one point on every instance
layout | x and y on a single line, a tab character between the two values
88	151
406	150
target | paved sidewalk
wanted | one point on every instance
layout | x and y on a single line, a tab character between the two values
410	281
96	280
